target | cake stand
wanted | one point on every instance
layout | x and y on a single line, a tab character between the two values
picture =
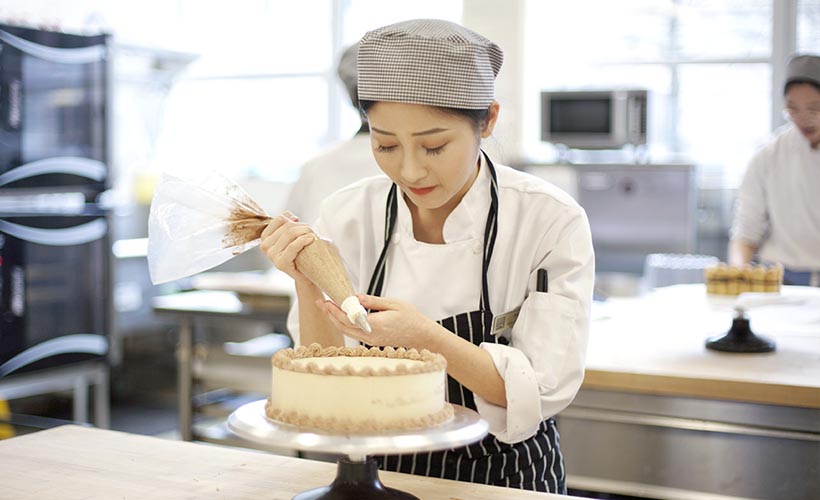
357	476
740	337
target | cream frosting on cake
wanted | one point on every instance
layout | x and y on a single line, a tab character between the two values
356	389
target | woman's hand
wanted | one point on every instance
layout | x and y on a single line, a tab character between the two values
282	241
395	323
399	324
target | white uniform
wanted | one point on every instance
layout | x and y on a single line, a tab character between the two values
342	164
539	226
777	207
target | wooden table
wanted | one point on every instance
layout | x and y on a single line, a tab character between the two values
79	463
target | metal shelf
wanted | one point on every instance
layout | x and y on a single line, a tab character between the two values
77	377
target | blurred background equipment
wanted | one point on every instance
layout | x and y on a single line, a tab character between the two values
54	230
665	269
636	210
590	119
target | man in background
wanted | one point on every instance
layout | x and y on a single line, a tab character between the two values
778	215
340	165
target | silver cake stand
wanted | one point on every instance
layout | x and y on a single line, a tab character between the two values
357	475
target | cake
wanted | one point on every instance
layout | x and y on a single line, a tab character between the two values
358	390
723	279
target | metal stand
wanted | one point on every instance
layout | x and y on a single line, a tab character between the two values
740	338
77	377
357	476
355	480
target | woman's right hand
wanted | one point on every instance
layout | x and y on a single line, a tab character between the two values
282	241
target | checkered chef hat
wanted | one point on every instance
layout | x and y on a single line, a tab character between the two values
427	61
803	68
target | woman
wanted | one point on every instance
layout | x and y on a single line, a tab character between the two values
777	216
450	243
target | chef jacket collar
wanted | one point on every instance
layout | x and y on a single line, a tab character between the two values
468	219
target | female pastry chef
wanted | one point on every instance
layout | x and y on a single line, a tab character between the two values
451	243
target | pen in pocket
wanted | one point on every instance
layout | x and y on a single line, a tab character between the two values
542	281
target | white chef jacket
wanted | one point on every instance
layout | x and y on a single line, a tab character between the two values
777	208
539	226
341	164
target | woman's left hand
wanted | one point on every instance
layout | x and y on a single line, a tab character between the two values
395	323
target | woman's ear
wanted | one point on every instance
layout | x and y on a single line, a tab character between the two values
492	117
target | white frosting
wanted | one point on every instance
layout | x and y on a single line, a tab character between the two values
389	398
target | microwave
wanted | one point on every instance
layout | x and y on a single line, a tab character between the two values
594	119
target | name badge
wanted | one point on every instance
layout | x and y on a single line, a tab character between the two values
504	322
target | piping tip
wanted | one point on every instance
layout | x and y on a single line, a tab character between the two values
361	322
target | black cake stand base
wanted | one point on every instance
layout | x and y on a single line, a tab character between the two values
740	339
355	481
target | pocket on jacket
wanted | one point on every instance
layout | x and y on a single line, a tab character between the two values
548	330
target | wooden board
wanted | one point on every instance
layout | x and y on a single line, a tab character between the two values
783	395
80	463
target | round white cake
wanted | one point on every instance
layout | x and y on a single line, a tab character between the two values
358	389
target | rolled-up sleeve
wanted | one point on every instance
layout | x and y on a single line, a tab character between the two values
543	367
751	221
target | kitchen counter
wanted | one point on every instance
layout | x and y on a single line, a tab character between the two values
655	345
73	463
680	421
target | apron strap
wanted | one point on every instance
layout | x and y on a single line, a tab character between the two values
390	216
490	233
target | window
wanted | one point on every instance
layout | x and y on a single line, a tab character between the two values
706	63
263	96
808	26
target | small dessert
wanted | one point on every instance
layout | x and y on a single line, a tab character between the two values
724	279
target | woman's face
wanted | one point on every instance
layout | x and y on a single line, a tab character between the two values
803	106
431	155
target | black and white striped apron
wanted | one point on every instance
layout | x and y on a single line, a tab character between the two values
533	464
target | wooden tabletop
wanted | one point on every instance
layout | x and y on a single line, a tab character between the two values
655	344
80	463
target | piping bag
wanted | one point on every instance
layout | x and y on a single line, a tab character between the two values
196	224
320	263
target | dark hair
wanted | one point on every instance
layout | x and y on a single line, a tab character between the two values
478	118
800	80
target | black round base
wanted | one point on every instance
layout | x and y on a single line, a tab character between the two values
355	481
741	339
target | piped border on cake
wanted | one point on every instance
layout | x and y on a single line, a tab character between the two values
334	424
429	361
